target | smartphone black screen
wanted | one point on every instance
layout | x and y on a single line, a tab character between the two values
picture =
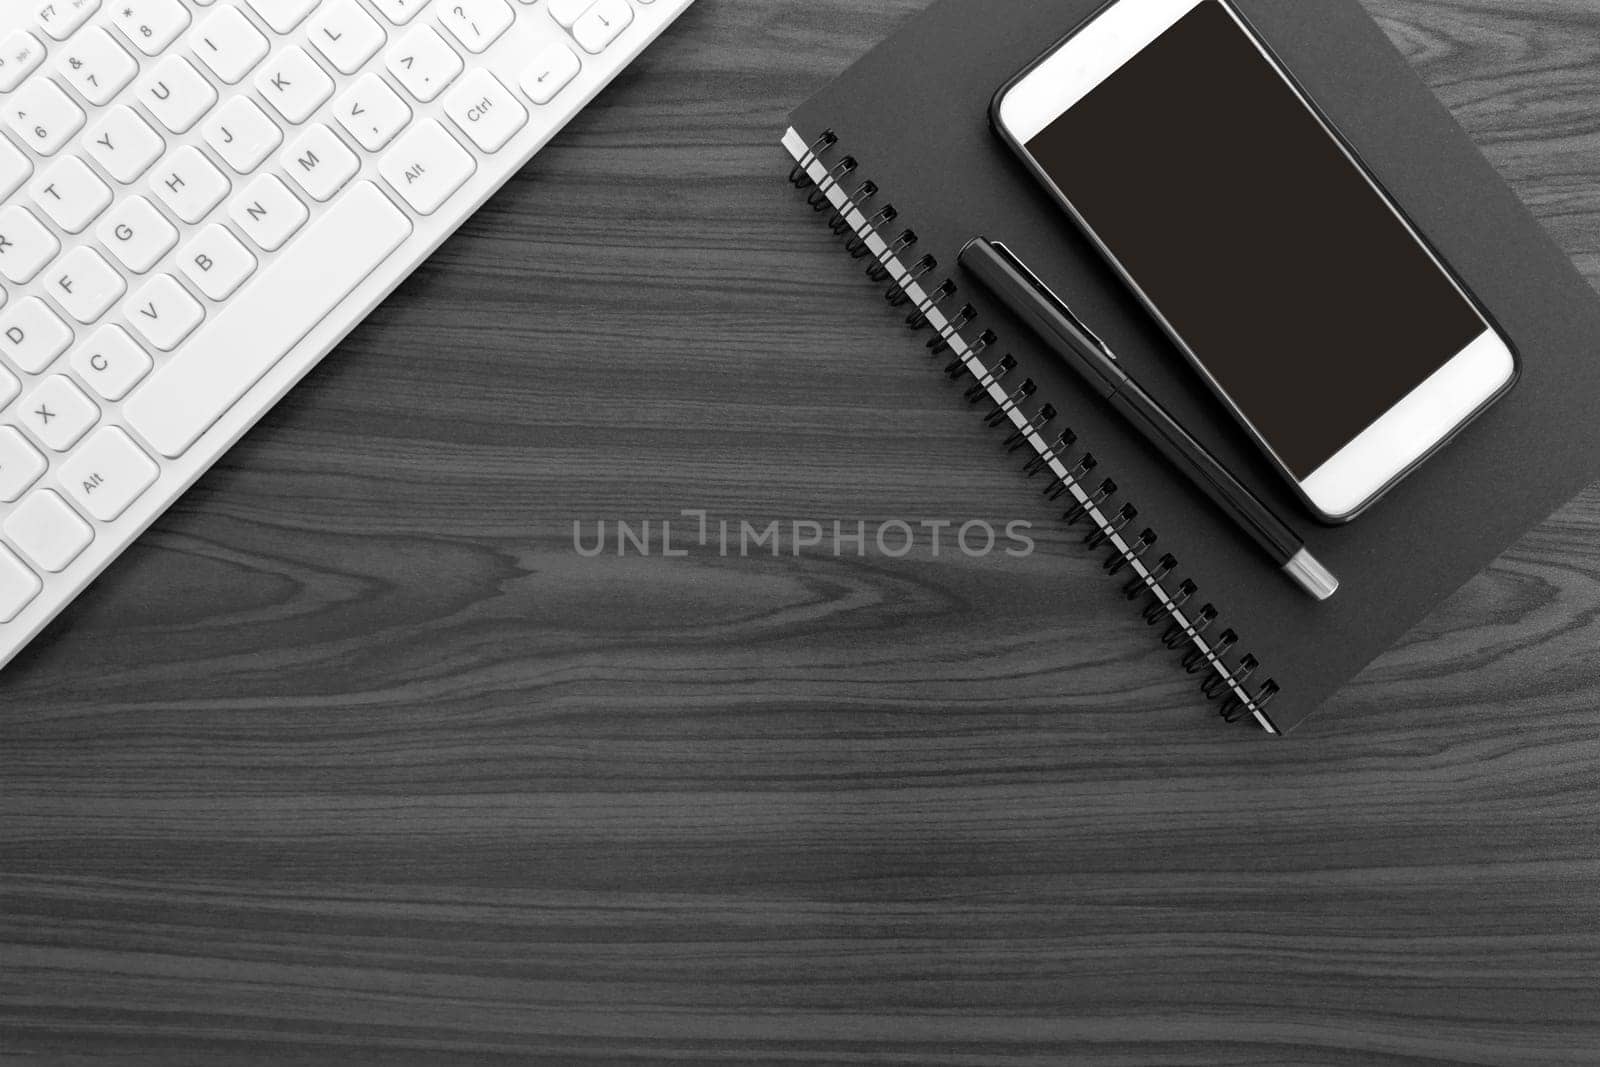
1260	241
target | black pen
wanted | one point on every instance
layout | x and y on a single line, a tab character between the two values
1021	290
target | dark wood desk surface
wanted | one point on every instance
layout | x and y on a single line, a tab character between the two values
355	759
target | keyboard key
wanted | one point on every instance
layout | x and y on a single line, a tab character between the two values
426	165
58	414
601	24
86	285
282	15
228	44
372	112
25	245
14	168
43	116
567	12
485	110
20	464
71	194
61	18
124	144
423	63
31	335
137	234
268	318
552	70
151	25
477	24
346	35
399	12
294	84
242	134
111	363
164	312
97	66
107	474
176	94
216	262
189	184
268	213
18	585
49	532
320	163
20	56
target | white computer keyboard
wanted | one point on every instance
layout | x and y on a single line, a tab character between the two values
200	198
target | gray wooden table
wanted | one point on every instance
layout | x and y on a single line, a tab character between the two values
355	759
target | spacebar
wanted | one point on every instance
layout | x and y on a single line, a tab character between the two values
262	323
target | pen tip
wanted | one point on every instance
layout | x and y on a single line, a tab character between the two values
1312	576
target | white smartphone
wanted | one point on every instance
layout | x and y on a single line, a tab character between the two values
1267	250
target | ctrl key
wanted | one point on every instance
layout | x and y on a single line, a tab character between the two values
47	531
18	585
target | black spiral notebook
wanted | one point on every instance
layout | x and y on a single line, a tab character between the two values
897	156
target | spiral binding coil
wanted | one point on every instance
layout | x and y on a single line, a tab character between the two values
859	215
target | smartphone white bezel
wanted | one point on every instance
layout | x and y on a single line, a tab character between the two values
1412	428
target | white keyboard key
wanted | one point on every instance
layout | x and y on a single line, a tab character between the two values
268	213
49	532
151	25
71	194
242	134
20	464
9	387
31	335
372	112
346	35
399	12
43	116
25	245
96	66
164	312
485	110
282	15
137	234
477	24
61	18
14	168
58	414
426	165
601	24
294	84
423	63
18	585
268	318
176	94
189	184
85	284
111	363
216	262
124	144
567	12
552	70
228	44
320	163
19	57
108	474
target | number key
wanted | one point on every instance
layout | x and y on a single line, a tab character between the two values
150	24
43	116
97	66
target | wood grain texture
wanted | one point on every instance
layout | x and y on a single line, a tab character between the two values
354	759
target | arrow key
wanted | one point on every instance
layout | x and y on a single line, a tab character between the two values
601	24
551	71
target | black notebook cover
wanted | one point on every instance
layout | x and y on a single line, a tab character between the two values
914	114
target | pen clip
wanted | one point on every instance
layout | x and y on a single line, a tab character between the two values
1045	292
